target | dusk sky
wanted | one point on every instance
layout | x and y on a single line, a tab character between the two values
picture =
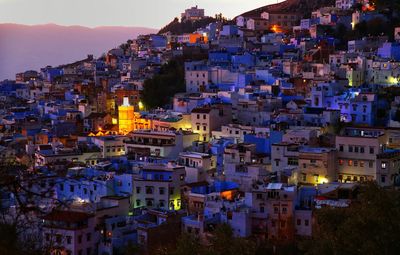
92	13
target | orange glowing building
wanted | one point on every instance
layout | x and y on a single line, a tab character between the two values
126	117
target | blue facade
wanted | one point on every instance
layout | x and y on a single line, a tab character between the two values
263	144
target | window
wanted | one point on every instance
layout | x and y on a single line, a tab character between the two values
356	149
137	190
149	190
340	161
80	239
371	150
350	148
198	116
161	190
383	165
138	202
161	203
69	238
262	210
284	210
171	191
362	149
306	222
71	188
293	161
383	178
371	164
350	162
361	163
298	222
198	127
204	116
341	147
88	237
304	177
259	196
88	251
355	163
149	202
204	128
276	210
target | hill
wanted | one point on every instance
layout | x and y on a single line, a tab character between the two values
176	27
291	6
32	47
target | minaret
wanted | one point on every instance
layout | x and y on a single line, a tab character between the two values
126	117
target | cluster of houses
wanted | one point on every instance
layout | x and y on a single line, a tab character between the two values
275	123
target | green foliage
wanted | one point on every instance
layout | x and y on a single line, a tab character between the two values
188	243
130	249
222	242
10	243
186	26
157	91
371	225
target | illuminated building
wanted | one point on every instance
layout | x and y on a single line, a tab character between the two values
159	187
166	144
206	119
316	165
126	117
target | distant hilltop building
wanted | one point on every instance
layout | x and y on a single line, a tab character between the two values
194	13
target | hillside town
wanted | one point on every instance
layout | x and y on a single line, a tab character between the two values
256	123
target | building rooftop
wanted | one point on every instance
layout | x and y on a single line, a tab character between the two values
67	216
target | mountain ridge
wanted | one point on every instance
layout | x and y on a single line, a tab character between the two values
302	6
30	47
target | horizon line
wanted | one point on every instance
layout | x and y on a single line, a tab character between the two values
83	26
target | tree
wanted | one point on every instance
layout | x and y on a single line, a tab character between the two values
157	91
371	225
221	242
188	244
130	249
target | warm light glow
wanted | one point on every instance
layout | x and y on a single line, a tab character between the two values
393	80
323	180
126	117
276	29
228	194
141	106
368	8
